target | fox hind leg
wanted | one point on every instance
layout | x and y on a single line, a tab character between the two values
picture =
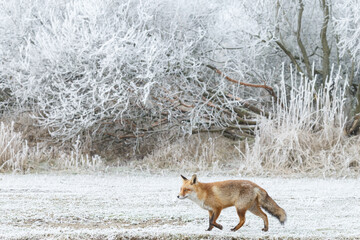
255	209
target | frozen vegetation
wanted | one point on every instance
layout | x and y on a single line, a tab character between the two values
84	82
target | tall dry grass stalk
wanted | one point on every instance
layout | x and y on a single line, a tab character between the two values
305	135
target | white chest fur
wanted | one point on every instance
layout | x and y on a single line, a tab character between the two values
193	196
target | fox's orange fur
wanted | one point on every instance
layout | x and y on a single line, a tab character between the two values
242	194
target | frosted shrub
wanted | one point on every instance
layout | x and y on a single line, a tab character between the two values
84	64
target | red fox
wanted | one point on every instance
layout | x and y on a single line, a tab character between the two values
242	194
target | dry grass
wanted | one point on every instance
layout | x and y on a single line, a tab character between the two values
13	150
207	153
16	155
282	152
76	160
274	152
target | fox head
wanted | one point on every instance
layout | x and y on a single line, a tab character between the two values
188	189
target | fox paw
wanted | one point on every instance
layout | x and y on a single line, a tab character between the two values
209	229
233	229
265	229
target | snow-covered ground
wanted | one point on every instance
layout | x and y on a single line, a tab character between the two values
143	206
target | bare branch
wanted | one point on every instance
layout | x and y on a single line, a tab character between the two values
290	55
264	86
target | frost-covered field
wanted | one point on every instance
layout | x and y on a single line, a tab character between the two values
142	206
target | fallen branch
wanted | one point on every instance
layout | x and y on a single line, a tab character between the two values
226	132
238	119
249	106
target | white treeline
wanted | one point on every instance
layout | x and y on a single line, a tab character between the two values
123	69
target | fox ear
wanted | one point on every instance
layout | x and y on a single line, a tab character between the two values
184	178
193	179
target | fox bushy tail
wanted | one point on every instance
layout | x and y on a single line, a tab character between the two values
267	203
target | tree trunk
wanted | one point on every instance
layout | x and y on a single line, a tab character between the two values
324	42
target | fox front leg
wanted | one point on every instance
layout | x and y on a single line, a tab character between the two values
211	218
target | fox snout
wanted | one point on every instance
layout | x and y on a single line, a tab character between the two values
181	197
